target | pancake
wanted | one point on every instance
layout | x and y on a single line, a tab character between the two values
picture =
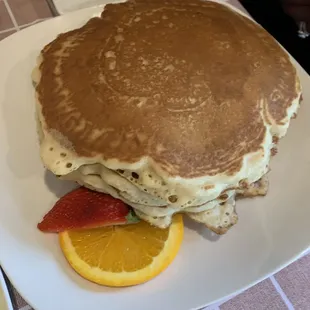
218	219
167	105
258	188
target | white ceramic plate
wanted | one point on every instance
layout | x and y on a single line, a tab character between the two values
272	231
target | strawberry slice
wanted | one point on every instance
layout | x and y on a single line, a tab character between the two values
83	208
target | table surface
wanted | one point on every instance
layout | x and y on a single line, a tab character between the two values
288	289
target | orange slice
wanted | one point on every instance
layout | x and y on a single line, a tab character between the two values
122	255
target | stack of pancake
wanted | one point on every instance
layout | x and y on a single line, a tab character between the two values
171	106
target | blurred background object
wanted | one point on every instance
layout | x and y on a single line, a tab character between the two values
299	10
288	21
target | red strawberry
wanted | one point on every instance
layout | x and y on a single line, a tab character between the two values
83	208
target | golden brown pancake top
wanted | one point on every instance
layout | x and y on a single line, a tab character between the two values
186	83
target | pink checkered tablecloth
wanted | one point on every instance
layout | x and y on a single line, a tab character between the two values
288	289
